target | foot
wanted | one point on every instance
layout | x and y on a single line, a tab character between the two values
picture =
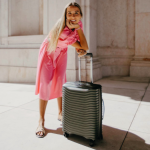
40	132
60	116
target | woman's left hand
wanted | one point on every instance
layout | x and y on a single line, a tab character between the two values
81	52
71	25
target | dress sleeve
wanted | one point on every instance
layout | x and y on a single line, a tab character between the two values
72	40
76	37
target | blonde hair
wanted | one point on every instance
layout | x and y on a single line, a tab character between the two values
58	28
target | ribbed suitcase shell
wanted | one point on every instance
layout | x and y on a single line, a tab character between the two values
82	109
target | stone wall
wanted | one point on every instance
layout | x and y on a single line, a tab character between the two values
115	37
140	66
117	32
21	33
25	17
23	27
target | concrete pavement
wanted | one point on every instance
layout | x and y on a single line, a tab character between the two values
126	124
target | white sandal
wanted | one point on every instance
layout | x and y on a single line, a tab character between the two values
60	118
40	129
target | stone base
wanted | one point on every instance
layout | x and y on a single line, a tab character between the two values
115	71
20	65
11	74
17	74
140	68
115	61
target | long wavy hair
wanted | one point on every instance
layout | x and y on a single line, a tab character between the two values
58	28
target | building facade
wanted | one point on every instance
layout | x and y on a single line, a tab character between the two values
117	32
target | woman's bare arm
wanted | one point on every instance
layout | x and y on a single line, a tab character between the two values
83	43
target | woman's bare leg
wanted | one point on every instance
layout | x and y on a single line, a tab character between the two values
42	108
59	101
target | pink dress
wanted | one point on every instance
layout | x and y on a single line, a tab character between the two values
51	68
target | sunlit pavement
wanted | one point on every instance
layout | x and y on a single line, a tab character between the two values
126	124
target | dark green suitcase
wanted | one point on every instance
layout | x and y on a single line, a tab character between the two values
82	108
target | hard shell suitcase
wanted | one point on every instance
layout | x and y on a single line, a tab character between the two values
82	108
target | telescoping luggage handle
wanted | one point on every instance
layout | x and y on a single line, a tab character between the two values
91	62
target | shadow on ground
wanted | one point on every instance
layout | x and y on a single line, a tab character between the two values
126	140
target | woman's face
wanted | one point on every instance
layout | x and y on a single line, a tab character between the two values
73	14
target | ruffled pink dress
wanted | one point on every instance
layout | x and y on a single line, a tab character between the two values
51	68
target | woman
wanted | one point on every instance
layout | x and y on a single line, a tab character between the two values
52	61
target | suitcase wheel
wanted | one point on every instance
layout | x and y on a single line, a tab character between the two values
66	134
100	138
91	143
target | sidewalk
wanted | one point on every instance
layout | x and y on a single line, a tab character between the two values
126	124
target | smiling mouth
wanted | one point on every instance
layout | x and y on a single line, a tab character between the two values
73	20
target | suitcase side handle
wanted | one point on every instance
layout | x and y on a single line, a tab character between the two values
91	62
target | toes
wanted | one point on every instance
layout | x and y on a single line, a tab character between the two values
41	133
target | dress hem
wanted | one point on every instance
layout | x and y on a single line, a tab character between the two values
49	99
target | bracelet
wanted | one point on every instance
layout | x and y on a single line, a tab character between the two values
78	28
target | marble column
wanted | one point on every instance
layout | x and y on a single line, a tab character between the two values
3	33
4	18
89	8
140	66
